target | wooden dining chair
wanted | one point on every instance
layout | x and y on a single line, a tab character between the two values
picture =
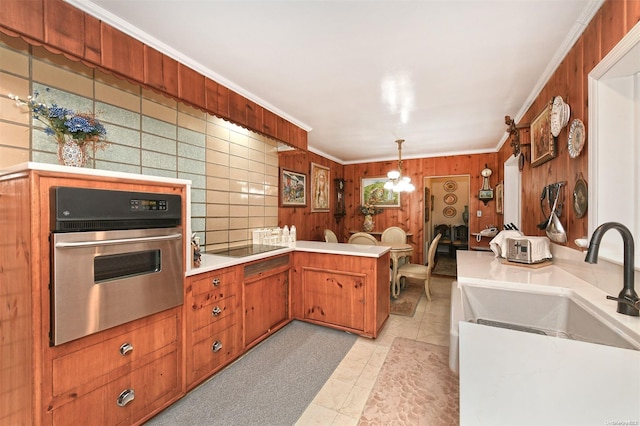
445	239
460	240
363	238
421	272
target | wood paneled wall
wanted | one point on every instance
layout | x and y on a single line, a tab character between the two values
309	225
570	80
410	216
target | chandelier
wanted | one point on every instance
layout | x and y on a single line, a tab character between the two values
396	182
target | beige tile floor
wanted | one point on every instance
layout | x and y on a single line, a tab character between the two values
343	397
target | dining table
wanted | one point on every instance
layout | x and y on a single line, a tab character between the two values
376	234
397	252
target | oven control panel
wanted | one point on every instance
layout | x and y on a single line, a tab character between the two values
137	205
92	209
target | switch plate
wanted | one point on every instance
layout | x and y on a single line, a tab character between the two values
479	213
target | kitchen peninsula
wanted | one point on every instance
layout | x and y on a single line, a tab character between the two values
319	273
233	303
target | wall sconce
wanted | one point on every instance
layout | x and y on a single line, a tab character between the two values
486	193
339	210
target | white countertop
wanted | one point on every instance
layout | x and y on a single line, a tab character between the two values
516	378
211	262
22	167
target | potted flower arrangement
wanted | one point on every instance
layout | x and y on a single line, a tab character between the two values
368	210
73	131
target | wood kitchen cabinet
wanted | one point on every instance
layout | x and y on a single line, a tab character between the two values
335	297
213	322
345	292
118	376
78	382
265	298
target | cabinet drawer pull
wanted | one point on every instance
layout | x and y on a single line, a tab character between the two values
216	311
125	397
215	282
125	348
217	345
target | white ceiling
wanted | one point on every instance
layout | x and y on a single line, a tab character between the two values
359	74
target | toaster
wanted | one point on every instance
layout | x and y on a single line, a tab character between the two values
527	249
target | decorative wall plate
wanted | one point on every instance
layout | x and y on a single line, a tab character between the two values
450	198
450	185
577	138
449	211
565	116
556	118
580	197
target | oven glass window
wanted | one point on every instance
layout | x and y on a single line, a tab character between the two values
123	265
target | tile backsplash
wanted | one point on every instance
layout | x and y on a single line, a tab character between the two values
234	171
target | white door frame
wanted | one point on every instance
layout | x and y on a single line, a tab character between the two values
512	200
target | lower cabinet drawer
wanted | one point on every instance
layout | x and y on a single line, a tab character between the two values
216	310
213	349
217	280
127	399
125	351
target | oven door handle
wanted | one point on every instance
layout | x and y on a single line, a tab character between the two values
118	241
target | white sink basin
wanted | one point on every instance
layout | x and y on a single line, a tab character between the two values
555	312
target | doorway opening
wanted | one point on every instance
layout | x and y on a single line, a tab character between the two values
447	209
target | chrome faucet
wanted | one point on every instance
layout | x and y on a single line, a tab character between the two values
628	301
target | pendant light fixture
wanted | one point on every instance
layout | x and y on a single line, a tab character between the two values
396	182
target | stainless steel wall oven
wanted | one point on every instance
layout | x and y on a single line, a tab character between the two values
116	257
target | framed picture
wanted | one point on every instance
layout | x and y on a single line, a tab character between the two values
500	198
320	188
543	144
427	204
372	192
293	189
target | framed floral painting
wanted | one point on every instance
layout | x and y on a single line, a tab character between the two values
293	189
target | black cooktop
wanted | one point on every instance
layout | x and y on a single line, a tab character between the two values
245	250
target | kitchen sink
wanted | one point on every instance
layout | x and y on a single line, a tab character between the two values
555	312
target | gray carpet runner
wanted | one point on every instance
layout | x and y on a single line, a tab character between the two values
271	385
